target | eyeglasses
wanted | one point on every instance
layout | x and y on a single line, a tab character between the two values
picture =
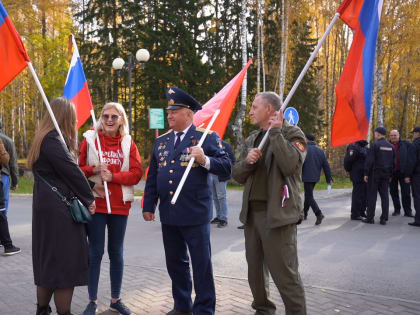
107	117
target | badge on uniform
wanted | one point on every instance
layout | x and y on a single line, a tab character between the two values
351	152
300	146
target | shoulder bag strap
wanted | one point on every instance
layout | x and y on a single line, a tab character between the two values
54	189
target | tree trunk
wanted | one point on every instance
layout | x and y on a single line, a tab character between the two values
237	127
258	35
379	84
284	45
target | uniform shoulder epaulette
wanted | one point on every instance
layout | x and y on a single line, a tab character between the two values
164	134
203	130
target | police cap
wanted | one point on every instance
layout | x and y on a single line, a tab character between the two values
416	129
177	99
381	130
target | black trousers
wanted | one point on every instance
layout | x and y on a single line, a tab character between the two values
358	199
415	186
4	231
309	199
375	185
405	193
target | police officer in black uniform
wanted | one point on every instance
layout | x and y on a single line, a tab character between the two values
414	174
401	148
379	166
185	224
354	163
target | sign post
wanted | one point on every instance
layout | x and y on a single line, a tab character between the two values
156	119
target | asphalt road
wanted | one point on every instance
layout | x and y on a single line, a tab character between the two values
339	254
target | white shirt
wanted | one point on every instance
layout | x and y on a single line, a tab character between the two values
207	164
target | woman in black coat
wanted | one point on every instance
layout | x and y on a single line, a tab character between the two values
59	245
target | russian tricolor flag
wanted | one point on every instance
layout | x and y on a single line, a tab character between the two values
13	56
354	88
76	88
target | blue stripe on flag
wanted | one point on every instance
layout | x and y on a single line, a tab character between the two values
3	13
75	82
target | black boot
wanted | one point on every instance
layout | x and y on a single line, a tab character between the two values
66	313
43	310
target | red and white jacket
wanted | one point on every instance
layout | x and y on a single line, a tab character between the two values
123	159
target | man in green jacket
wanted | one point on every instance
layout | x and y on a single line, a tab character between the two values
272	205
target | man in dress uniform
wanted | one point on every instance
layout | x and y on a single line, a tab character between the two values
379	166
401	148
354	163
414	174
185	224
272	205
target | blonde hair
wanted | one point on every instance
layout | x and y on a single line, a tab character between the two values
65	115
123	129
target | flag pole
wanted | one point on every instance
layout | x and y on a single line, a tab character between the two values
101	158
190	163
44	97
303	72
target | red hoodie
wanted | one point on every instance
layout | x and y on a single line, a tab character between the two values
113	156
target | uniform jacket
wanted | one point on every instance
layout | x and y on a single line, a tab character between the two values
193	206
354	161
380	159
59	168
414	159
403	152
11	168
314	162
228	149
285	155
123	161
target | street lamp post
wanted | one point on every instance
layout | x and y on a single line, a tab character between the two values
142	56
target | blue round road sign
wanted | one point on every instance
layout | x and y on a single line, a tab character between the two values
291	115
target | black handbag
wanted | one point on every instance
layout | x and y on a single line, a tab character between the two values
78	211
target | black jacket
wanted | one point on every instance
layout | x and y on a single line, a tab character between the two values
380	159
12	168
403	152
354	161
414	159
228	149
315	160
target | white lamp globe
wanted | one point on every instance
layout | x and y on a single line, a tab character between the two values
118	63
142	55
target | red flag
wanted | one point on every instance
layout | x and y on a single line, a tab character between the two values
354	88
13	56
224	100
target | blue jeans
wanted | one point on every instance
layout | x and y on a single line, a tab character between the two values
219	197
6	189
96	234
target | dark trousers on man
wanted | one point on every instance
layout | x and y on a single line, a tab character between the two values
415	186
358	199
4	231
375	185
178	241
405	193
275	251
309	199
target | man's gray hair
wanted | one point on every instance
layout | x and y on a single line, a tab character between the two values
270	98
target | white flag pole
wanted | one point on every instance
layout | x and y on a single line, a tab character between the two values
190	163
101	158
303	72
44	97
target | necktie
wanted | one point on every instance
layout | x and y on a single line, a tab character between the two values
178	139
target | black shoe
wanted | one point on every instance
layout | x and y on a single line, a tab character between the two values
368	221
43	310
90	308
222	224
319	219
409	215
356	218
215	221
174	312
241	227
9	251
382	222
120	307
414	224
395	213
363	215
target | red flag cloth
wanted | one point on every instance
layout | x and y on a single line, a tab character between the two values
354	89
13	56
225	101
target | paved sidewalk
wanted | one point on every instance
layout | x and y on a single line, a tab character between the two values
148	291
